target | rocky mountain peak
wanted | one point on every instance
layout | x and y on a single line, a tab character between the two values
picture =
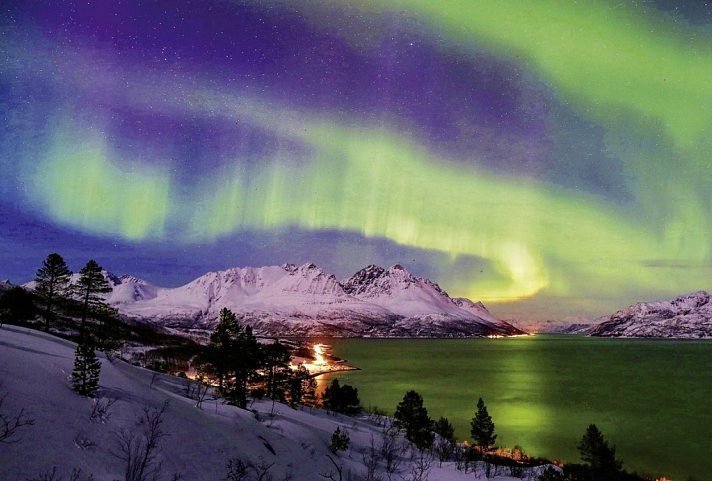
360	282
686	316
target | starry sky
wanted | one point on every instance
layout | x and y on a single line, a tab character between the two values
550	158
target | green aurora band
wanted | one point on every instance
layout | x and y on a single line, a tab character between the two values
602	61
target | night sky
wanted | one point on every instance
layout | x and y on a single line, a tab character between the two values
550	158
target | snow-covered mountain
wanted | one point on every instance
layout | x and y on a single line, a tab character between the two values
685	317
290	300
125	289
5	285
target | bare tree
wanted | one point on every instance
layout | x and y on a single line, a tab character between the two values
240	470
139	451
237	470
101	409
51	475
371	458
262	470
10	424
422	463
392	449
198	391
337	475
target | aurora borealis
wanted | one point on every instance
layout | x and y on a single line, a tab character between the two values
549	158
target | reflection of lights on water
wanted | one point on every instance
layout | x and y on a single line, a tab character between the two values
501	336
319	363
319	354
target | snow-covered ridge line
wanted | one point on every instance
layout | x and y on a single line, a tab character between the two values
684	317
291	300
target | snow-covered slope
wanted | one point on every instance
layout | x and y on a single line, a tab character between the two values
306	301
688	317
35	369
128	289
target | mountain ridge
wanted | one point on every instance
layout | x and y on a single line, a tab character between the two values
307	301
688	316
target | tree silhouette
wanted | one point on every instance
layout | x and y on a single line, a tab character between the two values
52	283
91	283
482	428
341	399
85	375
275	358
412	416
16	305
233	357
598	455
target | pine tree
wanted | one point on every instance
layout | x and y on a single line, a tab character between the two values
275	358
233	356
341	399
91	283
482	428
444	429
412	416
85	375
597	454
52	283
445	444
301	388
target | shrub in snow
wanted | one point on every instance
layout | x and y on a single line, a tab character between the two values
52	475
551	475
10	424
240	470
339	440
101	410
139	449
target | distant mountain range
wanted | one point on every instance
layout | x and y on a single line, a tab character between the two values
290	300
685	317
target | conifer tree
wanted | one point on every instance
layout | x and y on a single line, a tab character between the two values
91	283
482	428
302	388
341	399
339	440
445	445
597	454
275	358
412	416
233	357
52	283
85	375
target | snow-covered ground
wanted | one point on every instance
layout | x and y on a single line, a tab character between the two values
35	373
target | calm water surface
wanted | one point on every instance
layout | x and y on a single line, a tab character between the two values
651	398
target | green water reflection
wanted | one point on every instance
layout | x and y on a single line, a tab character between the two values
650	397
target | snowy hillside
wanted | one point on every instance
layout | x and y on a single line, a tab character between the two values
306	301
34	372
685	317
